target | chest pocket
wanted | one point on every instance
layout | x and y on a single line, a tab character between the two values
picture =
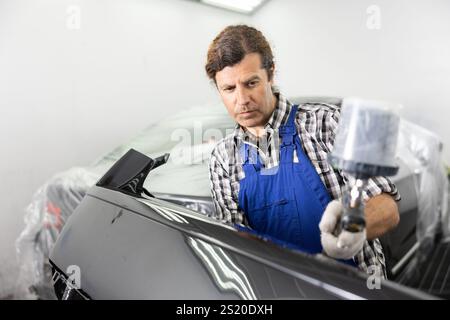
274	216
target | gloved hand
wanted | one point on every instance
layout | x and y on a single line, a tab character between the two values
347	244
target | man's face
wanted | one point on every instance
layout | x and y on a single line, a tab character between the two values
247	92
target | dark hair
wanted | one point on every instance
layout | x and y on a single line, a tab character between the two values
232	44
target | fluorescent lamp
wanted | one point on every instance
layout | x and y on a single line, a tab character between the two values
242	6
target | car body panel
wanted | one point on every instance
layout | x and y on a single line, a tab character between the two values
134	248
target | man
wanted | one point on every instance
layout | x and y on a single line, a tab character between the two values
271	174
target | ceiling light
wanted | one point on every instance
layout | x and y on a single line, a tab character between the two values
241	6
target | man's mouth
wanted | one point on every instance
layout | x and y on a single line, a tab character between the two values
247	113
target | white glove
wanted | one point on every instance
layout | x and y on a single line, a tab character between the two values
347	244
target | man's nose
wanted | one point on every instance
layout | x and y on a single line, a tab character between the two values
243	96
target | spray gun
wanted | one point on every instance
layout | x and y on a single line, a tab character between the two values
364	147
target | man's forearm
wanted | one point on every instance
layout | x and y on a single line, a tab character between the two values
381	215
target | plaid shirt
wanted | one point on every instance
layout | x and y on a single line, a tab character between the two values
317	124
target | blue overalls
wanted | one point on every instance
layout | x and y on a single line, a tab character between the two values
284	203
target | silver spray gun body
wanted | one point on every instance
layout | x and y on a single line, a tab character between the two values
365	147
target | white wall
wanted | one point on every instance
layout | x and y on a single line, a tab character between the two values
68	96
325	47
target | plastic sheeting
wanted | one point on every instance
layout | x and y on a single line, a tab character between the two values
423	149
49	210
189	136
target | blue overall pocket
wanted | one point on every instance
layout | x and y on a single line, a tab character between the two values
278	219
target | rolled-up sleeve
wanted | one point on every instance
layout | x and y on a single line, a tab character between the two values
379	185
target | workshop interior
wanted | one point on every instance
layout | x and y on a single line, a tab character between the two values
110	125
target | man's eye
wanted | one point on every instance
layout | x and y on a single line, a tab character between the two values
228	89
252	83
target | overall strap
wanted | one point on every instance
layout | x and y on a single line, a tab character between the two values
288	130
287	133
